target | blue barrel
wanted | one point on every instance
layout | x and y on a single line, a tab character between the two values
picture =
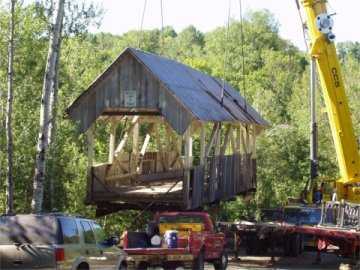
171	239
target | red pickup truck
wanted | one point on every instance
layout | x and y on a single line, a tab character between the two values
197	243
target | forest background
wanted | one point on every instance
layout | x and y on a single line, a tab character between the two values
276	84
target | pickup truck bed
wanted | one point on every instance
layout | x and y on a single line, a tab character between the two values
197	242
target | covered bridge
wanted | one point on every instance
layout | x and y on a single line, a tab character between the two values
178	138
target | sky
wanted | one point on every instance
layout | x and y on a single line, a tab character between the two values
121	16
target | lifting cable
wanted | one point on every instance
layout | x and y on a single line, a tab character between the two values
303	24
141	32
141	27
242	41
162	28
226	53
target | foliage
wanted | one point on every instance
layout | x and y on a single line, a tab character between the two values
276	83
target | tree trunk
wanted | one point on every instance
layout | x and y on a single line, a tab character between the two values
47	105
9	135
52	128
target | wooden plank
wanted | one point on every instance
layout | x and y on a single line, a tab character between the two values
188	161
188	149
135	146
197	187
143	149
123	141
233	141
145	144
202	144
226	140
160	146
213	137
90	146
158	177
217	143
112	141
253	142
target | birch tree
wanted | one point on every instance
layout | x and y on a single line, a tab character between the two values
47	105
8	121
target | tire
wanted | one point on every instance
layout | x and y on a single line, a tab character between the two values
295	245
123	267
222	263
199	262
292	245
286	247
83	266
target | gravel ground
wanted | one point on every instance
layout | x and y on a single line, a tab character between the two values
303	262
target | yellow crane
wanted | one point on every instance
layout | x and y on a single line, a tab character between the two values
323	50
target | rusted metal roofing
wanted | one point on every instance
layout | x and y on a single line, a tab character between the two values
186	91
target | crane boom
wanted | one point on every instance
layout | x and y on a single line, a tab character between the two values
323	50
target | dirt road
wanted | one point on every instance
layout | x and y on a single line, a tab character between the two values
303	262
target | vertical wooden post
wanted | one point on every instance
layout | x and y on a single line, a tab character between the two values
112	142
188	164
90	162
135	145
188	149
90	146
247	140
233	141
123	141
226	140
253	142
218	141
202	144
160	146
134	157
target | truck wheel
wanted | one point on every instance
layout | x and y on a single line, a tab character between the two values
222	262
199	261
292	245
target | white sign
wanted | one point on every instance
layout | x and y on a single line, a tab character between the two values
130	98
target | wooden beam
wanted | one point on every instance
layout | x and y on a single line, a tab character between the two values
202	144
253	141
242	140
122	143
160	146
218	141
143	150
233	142
145	144
164	176
188	163
212	139
90	146
135	146
226	140
112	141
188	148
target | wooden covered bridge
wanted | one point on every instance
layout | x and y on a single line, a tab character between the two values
178	138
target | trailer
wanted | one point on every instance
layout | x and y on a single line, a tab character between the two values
339	226
277	229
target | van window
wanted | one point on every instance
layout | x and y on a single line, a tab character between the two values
29	229
69	231
99	233
88	233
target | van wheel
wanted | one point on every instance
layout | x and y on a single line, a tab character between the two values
83	266
199	262
123	267
222	262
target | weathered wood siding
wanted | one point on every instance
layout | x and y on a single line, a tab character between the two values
226	177
127	87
